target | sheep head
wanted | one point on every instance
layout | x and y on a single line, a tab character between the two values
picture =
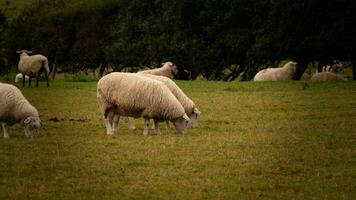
24	52
31	124
181	123
292	65
193	118
172	66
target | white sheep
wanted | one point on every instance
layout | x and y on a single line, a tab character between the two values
168	70
19	76
326	76
189	107
32	66
14	108
277	74
132	95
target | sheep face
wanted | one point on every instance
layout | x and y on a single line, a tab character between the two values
174	69
181	123
31	124
193	118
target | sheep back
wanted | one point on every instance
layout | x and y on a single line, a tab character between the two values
185	101
137	96
32	64
327	76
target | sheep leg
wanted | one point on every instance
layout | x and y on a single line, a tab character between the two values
153	126
6	135
36	80
108	119
129	124
157	130
115	123
146	126
23	80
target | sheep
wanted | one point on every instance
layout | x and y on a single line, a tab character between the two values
168	70
326	76
335	68
19	77
277	74
32	66
189	107
14	108
132	95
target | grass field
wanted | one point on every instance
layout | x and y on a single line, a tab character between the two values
277	140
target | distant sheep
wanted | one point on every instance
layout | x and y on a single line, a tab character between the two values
132	95
168	70
327	76
14	108
335	68
189	107
32	66
277	74
19	77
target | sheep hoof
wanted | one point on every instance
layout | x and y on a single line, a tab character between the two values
109	133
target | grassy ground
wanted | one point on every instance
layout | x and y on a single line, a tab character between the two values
281	140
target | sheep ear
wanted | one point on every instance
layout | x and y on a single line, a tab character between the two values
27	120
196	111
29	51
18	51
185	116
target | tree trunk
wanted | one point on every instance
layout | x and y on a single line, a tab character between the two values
301	67
54	71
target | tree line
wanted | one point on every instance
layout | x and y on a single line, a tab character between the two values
218	39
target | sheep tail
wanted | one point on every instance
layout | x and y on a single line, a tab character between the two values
45	66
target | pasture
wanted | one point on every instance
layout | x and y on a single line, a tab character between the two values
271	140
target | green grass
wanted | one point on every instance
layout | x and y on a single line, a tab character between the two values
273	140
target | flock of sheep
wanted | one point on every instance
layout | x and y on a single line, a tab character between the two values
150	94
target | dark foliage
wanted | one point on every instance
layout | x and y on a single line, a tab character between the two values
216	38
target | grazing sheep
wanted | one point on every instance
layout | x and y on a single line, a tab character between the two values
14	108
167	70
19	77
132	95
277	74
327	76
32	66
189	107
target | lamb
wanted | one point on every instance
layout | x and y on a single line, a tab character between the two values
327	76
132	95
32	66
277	74
168	70
189	107
19	76
14	108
